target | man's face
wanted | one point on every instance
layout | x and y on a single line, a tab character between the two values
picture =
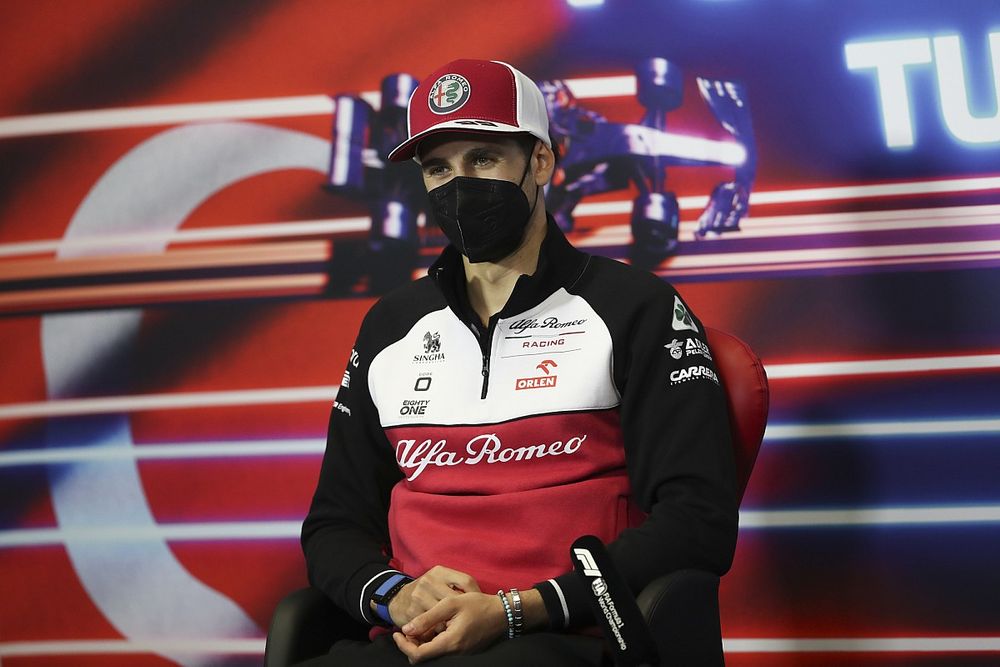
451	154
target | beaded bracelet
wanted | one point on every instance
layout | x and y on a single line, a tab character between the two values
510	614
515	597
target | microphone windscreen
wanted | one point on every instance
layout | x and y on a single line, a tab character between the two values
613	604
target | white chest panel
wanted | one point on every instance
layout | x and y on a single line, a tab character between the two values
556	357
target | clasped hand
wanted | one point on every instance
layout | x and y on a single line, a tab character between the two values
444	612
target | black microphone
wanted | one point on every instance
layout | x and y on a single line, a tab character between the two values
613	605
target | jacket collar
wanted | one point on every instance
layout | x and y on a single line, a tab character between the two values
559	265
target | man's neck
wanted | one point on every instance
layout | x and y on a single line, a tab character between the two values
490	284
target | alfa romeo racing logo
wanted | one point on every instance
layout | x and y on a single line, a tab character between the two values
448	94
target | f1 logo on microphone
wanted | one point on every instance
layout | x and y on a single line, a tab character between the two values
590	568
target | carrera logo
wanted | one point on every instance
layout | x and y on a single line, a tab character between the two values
693	373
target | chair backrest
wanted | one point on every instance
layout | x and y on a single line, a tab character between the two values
745	383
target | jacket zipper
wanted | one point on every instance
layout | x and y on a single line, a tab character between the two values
486	346
486	375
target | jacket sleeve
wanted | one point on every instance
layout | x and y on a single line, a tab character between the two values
345	535
678	453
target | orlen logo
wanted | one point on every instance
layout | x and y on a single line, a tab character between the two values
540	382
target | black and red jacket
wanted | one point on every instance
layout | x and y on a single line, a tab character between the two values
589	405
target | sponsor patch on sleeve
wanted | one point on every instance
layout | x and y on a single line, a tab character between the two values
698	372
682	318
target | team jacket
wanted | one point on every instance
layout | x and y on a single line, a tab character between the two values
589	405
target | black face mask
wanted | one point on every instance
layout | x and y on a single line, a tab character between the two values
484	218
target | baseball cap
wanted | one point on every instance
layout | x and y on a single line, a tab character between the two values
473	96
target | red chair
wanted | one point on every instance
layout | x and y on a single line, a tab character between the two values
681	608
746	388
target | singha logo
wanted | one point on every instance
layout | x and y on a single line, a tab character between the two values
432	342
432	349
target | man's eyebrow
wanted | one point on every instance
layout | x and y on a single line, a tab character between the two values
479	151
433	162
482	150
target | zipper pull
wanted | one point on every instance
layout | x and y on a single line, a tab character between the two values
486	375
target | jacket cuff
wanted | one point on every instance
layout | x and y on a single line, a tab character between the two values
566	602
375	578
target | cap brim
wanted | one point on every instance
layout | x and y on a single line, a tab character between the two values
408	149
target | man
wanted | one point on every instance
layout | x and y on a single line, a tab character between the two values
522	394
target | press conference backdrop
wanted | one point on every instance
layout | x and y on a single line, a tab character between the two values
195	215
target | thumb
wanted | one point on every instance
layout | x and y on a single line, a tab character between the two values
439	613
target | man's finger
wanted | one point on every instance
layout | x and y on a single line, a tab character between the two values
441	644
427	621
406	645
454	579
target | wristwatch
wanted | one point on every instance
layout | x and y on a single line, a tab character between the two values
383	595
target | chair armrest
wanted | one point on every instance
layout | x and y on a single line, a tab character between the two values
682	610
305	625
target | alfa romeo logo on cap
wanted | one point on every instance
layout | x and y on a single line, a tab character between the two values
448	94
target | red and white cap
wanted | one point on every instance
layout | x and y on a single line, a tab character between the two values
473	96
